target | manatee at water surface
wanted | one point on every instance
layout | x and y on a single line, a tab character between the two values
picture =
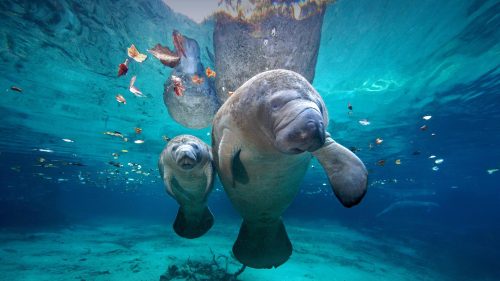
197	105
269	36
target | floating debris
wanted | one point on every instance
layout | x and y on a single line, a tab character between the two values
67	140
116	164
138	130
197	79
491	171
134	53
364	122
16	89
378	141
398	162
121	99
381	162
62	180
179	43
123	68
210	73
45	150
124	150
133	89
435	168
423	128
439	161
165	55
427	117
178	86
114	134
16	168
138	141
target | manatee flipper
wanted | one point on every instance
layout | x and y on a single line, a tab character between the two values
227	152
209	173
346	172
166	176
262	245
193	225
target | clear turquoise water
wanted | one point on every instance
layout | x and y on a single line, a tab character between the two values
394	61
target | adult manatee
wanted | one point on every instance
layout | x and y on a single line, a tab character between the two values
254	36
263	138
196	106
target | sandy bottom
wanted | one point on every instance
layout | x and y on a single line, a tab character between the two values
125	250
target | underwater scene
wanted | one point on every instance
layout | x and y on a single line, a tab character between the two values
346	140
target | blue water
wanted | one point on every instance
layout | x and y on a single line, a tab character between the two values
394	61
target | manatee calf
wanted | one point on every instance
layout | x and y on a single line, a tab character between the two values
263	137
188	174
268	35
196	106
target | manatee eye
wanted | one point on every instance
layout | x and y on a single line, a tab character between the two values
195	146
175	147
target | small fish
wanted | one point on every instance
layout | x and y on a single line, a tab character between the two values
45	150
17	89
439	161
432	156
349	106
423	128
398	162
354	149
121	99
178	86
427	117
491	171
124	150
138	141
138	130
67	140
165	138
381	162
41	160
197	79
165	55
116	164
179	43
210	73
134	90
364	122
134	53
123	68
115	155
114	134
378	141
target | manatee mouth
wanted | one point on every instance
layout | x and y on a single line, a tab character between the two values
305	132
186	158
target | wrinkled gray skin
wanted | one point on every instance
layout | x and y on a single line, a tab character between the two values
241	50
188	173
197	107
263	138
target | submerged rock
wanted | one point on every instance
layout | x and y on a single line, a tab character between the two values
278	36
198	103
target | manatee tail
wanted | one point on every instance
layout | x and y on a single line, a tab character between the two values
193	225
262	246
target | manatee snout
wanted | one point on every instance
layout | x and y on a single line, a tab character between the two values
306	132
186	157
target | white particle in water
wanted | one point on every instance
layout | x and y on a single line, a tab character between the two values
67	140
427	117
439	161
435	168
432	156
